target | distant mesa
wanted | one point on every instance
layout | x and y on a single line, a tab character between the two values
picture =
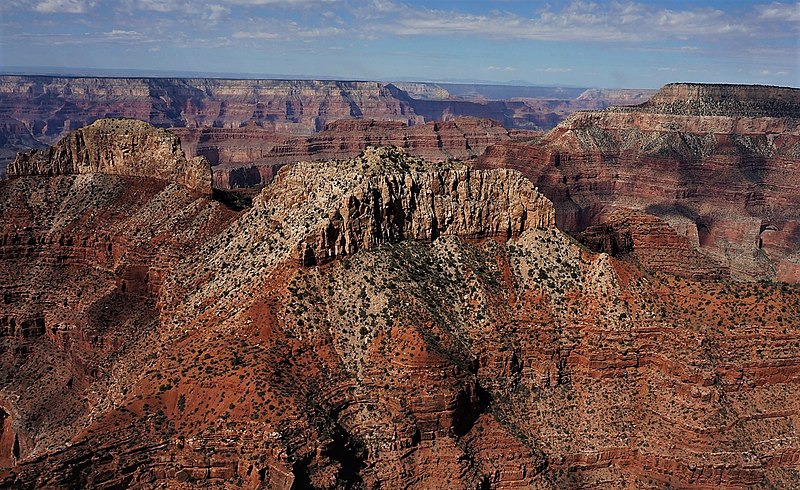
693	99
124	147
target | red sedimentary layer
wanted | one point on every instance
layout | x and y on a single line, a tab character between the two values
250	157
729	184
38	110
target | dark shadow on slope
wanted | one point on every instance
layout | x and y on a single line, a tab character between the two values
237	200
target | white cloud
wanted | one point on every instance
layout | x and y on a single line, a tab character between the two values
216	12
159	5
202	5
319	32
115	36
554	69
278	3
786	12
286	30
63	6
770	73
256	35
577	21
121	34
703	22
753	34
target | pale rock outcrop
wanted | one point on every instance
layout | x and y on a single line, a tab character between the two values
125	147
385	196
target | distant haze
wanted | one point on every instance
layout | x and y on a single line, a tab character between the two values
599	44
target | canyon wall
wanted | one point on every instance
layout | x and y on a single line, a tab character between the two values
728	183
36	111
49	106
249	157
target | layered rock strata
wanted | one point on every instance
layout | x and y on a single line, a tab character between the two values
726	182
249	157
83	259
722	100
441	333
52	105
36	111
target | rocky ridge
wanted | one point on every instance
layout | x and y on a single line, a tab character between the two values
383	196
317	211
117	147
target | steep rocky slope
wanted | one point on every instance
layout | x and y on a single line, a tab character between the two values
84	255
717	164
377	322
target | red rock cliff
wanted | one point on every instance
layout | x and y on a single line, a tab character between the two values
729	183
249	157
38	110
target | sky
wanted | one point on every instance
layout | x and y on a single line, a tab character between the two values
604	43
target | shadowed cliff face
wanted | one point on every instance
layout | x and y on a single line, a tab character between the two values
381	321
717	164
51	105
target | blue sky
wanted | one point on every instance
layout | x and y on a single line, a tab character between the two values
615	43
